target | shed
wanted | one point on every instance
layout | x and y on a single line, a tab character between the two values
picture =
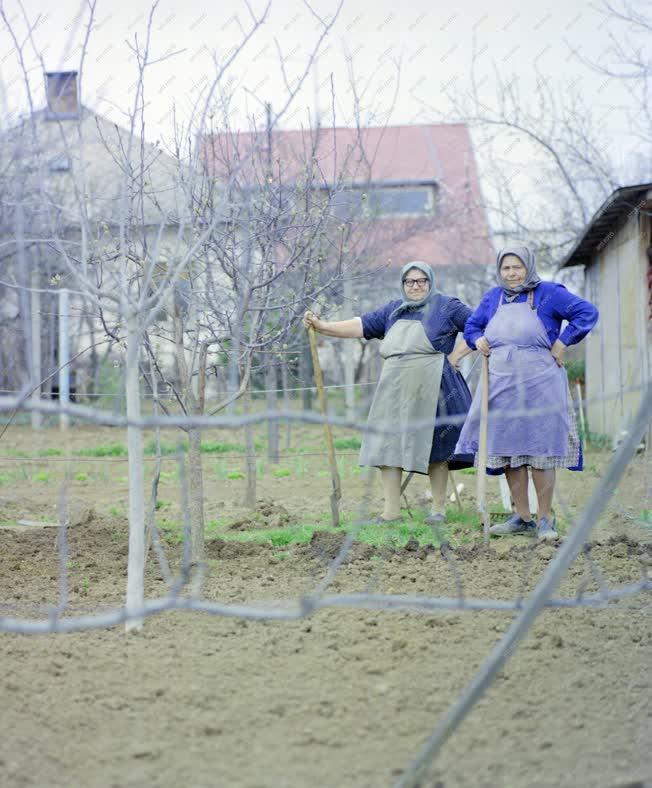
616	252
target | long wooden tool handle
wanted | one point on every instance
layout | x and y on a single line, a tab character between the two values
482	448
336	495
406	481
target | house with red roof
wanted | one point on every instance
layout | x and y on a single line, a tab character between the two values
420	183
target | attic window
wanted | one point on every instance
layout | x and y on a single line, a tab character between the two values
385	201
402	200
60	163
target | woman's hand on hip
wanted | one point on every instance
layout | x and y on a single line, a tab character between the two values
483	346
558	350
311	320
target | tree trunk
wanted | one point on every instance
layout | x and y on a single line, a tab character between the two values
196	487
271	400
250	494
94	360
194	401
349	366
136	559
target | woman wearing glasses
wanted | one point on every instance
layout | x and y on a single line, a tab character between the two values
419	384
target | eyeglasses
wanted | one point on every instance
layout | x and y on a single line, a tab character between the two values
415	282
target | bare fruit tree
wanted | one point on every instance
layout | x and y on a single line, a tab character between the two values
546	160
204	253
129	246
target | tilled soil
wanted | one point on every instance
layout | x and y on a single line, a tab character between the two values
344	698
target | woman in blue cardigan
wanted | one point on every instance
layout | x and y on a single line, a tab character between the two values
531	417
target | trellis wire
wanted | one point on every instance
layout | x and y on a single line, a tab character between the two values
100	417
281	610
537	600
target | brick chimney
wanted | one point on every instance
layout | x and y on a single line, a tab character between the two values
61	94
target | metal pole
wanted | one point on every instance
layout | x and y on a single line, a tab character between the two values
64	356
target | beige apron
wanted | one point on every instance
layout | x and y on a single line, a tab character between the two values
407	392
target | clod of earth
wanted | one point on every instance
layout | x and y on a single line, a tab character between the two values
267	514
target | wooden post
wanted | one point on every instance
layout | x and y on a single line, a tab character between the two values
482	449
336	495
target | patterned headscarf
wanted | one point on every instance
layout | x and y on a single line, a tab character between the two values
526	256
406	304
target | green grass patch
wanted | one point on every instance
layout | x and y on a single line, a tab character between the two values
172	532
597	440
17	453
207	447
215	447
41	476
279	473
347	443
460	528
81	477
49	452
4	478
167	447
235	475
106	450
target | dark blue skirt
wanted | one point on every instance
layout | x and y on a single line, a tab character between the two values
454	400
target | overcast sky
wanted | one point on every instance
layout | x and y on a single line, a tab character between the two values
432	46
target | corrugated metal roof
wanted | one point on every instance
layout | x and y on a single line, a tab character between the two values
606	220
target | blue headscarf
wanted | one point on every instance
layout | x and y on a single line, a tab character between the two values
406	304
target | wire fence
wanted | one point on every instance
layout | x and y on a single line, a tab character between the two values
184	588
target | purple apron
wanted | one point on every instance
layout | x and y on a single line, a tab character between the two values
523	375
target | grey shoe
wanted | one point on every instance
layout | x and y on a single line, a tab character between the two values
546	530
435	519
512	526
